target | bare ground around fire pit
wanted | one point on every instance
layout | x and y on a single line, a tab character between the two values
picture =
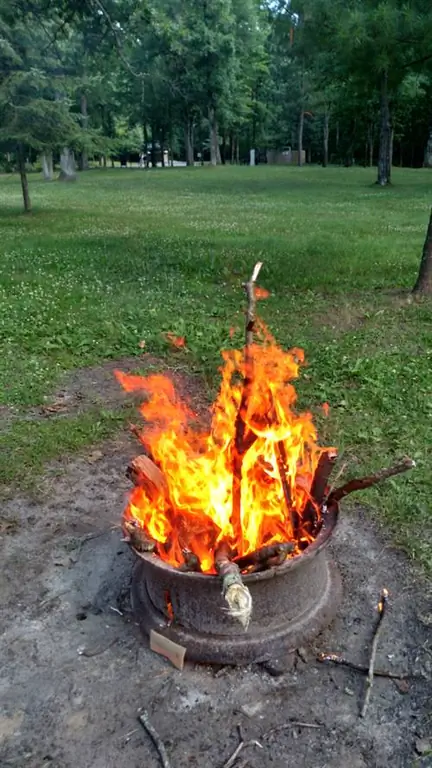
75	672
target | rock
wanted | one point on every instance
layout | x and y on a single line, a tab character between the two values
423	746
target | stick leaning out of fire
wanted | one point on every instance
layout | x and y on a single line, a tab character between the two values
234	591
244	438
361	483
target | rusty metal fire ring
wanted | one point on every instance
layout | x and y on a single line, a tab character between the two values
292	603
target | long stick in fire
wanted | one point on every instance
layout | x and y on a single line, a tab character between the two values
361	483
243	439
234	591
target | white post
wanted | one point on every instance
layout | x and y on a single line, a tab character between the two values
251	157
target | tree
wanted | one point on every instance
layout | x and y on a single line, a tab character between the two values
34	115
424	280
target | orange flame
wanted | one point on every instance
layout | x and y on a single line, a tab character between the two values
196	511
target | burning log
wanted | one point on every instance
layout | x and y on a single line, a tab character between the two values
273	554
137	537
191	561
144	472
244	439
361	483
318	488
234	591
370	678
282	463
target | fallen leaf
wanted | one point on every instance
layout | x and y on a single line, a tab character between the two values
175	341
232	331
94	456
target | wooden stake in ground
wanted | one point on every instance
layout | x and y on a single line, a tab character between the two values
244	438
361	483
234	591
370	678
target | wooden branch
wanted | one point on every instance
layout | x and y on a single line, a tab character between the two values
191	561
260	557
136	536
242	745
318	488
156	739
370	678
361	483
234	591
244	439
282	464
334	658
290	724
144	472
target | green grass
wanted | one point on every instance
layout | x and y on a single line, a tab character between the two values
123	256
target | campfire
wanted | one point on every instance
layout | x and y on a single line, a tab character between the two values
247	495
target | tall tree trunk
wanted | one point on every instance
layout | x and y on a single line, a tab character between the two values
428	151
232	148
371	144
112	163
104	161
162	147
237	150
384	157
424	280
47	166
300	137
188	139
84	164
401	153
67	165
326	131
24	180
153	146
337	136
215	156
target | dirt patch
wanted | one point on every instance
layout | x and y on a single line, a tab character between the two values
75	672
97	387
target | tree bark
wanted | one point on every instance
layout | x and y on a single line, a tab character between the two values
188	138
24	180
67	165
84	164
104	161
424	280
370	142
215	156
300	138
326	130
47	166
384	157
428	151
153	146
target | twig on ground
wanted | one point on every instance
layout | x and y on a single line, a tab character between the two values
156	739
234	591
244	438
370	678
362	483
243	745
290	724
333	658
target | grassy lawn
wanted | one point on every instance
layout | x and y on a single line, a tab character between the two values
124	255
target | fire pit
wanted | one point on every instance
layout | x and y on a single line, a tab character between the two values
292	602
231	523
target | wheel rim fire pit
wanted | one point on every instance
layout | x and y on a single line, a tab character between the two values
292	603
231	523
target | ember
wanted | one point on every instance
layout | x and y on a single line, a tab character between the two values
247	481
